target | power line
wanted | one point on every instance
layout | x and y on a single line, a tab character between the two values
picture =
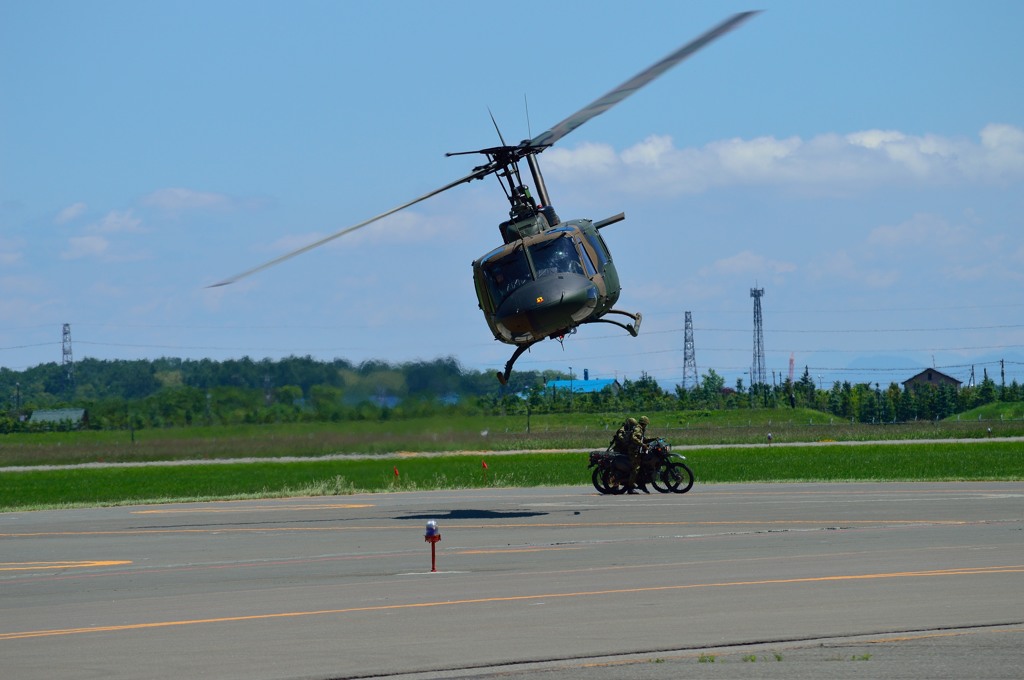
845	331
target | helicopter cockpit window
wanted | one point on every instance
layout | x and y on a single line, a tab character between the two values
506	274
557	256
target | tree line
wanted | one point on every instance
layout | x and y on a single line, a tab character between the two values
169	392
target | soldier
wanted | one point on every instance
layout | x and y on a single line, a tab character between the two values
644	422
623	436
637	442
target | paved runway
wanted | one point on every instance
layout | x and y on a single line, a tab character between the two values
761	580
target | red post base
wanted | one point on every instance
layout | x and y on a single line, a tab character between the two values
432	540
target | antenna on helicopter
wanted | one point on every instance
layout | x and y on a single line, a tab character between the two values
526	104
496	128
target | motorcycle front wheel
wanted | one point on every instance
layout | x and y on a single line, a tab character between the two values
598	478
676	477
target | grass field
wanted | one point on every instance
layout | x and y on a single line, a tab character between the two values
69	486
899	458
463	433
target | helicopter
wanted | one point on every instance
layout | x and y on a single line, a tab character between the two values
549	276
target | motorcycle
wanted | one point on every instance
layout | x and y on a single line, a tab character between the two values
659	467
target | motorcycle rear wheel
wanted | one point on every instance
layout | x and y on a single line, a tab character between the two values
615	483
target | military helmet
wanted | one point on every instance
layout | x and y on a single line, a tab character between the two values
631	422
645	421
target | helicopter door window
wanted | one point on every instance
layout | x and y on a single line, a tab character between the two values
557	256
588	264
507	274
600	248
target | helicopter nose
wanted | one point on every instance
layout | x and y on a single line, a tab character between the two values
547	306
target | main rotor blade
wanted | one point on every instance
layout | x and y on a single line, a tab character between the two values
476	174
599	106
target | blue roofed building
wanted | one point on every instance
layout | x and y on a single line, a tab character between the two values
585	386
61	418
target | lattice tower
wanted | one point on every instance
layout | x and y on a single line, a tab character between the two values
68	360
690	377
757	371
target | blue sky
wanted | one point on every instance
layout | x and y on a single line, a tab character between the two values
863	162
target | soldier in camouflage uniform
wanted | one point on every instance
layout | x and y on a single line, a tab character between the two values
623	436
637	441
643	423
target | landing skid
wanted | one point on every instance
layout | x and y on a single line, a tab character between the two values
503	377
631	328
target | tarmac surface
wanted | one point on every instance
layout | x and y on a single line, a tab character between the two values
889	580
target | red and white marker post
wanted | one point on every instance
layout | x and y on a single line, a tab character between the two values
432	536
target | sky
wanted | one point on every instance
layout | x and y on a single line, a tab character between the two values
862	162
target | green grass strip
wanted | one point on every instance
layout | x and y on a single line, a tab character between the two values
974	461
971	461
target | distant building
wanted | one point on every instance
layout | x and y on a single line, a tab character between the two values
78	418
932	378
584	386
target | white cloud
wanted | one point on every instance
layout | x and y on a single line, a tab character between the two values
920	231
85	246
117	221
829	162
176	199
586	159
403	227
97	242
650	152
1003	156
754	160
748	263
69	213
841	265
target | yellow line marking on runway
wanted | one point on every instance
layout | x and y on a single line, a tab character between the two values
253	508
967	571
39	566
955	633
509	525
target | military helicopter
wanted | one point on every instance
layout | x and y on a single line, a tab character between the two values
549	276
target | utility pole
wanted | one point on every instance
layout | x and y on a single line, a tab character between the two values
690	377
571	389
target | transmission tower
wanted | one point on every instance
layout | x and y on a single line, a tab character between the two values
68	361
690	378
757	371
